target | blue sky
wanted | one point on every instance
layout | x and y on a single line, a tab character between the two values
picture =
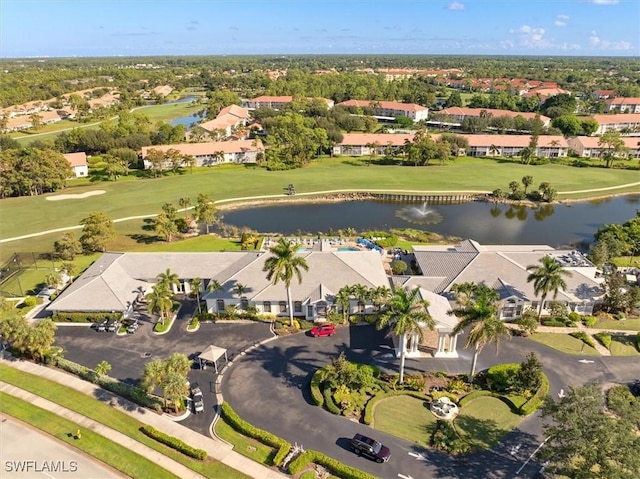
214	27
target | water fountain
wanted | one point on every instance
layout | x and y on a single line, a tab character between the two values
421	215
444	408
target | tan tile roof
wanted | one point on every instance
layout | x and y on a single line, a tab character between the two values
76	159
516	140
382	139
475	112
387	105
617	118
235	110
622	101
592	141
198	149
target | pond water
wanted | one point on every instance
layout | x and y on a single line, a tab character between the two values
487	223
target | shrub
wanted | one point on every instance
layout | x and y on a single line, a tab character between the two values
328	400
446	438
574	317
501	378
435	395
316	383
537	399
336	467
174	443
638	341
398	266
29	302
204	316
553	323
589	321
604	339
71	317
247	429
584	337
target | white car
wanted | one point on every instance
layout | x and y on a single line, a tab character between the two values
46	292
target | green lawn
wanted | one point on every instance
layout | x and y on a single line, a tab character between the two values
623	346
565	343
169	112
146	196
103	413
244	445
484	421
405	417
109	452
624	325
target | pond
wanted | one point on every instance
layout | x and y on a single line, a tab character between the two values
554	225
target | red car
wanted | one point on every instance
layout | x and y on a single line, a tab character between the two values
324	329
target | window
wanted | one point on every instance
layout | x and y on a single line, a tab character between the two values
283	306
297	306
220	304
321	309
266	306
360	307
244	303
309	311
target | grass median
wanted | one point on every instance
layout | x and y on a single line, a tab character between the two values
109	452
104	414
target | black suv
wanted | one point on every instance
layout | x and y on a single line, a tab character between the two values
371	448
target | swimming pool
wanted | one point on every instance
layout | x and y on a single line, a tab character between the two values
348	248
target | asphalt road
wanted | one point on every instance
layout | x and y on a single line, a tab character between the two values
269	388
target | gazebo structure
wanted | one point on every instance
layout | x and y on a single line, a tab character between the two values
211	355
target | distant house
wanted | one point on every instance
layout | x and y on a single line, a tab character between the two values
589	146
227	120
603	94
459	113
24	122
623	122
276	102
389	110
622	105
544	92
212	153
549	146
78	162
361	144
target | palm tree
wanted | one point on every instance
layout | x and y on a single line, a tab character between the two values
214	285
283	265
174	388
480	314
494	150
168	278
160	300
153	374
380	295
405	314
196	284
343	299
68	269
184	203
547	277
361	292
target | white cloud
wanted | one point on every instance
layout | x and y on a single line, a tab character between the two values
601	44
594	39
561	20
455	6
605	2
530	36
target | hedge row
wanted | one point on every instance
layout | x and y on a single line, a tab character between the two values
584	337
474	395
316	382
329	402
63	317
265	437
337	468
604	339
174	443
120	388
369	408
536	400
638	341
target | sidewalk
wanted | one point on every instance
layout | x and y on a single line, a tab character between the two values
216	449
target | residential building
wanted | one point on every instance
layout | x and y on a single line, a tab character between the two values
590	147
362	144
622	105
389	110
17	123
603	94
549	146
544	92
229	119
626	123
212	153
78	162
276	102
458	113
505	268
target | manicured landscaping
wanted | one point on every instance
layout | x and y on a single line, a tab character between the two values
405	417
484	421
244	445
623	346
107	451
104	414
623	325
564	343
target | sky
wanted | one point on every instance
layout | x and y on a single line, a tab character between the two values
57	28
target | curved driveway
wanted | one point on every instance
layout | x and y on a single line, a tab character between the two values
269	388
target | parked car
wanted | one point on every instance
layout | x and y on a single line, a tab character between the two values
132	326
363	445
197	398
324	329
112	326
46	292
101	327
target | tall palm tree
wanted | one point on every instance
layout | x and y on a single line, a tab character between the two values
153	374
343	299
405	314
184	203
196	285
160	300
174	388
361	292
380	295
547	278
283	265
480	314
168	278
214	285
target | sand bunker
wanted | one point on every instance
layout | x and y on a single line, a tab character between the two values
77	196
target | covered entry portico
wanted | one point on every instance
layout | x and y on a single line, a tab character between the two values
211	355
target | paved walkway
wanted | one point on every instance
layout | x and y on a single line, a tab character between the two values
216	449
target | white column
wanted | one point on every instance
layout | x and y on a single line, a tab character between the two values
440	343
454	340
